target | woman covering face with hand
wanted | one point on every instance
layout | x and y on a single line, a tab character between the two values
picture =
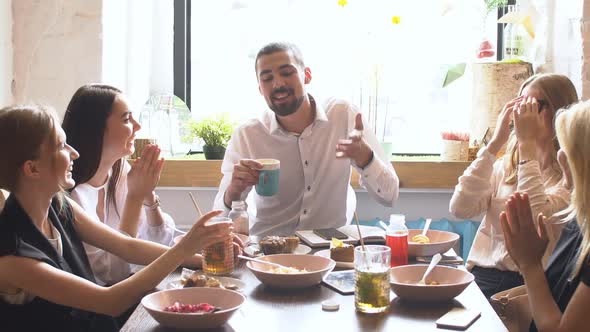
100	126
525	125
46	281
558	297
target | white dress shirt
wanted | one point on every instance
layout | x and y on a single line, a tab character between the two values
314	186
483	189
108	268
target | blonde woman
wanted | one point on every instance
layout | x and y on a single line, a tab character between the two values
529	165
560	296
46	282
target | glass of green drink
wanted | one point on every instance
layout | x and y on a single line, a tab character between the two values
371	288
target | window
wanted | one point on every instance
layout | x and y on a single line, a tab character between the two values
393	72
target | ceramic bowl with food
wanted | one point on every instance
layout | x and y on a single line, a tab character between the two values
226	301
440	242
442	284
309	270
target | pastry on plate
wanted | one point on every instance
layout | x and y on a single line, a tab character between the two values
278	245
341	252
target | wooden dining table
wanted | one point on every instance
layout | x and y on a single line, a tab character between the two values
268	309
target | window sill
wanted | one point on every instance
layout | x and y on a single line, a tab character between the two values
412	174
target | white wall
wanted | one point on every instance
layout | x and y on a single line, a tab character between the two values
5	52
57	48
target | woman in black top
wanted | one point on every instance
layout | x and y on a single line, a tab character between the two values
560	297
46	282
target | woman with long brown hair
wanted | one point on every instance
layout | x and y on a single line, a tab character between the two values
46	281
529	165
101	127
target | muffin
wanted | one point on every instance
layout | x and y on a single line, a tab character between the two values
271	245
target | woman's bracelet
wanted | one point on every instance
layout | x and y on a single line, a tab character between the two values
154	205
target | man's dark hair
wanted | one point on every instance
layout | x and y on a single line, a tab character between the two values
280	47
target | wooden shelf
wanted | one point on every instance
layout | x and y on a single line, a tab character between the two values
412	174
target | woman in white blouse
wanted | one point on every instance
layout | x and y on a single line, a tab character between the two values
100	126
529	165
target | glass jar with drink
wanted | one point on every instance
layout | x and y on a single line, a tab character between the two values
396	238
218	258
371	286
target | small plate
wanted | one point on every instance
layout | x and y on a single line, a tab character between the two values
253	250
326	253
223	280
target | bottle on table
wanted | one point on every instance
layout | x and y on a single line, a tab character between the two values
240	218
396	238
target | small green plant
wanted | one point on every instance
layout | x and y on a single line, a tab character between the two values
494	4
214	130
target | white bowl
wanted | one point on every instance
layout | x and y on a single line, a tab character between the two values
440	242
229	301
451	282
317	268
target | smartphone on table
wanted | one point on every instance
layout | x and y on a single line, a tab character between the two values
458	319
329	233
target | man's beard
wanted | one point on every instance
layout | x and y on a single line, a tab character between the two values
285	109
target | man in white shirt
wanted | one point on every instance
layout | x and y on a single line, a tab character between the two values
315	163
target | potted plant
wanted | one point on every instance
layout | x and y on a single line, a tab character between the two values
215	132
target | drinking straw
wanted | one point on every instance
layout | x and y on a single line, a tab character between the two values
358	228
195	204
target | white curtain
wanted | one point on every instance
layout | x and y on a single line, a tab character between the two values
558	37
138	48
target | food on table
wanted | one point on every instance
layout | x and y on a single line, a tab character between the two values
286	270
231	286
422	239
340	251
428	283
201	308
278	245
200	280
292	243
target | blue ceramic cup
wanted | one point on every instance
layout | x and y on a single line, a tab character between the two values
268	181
